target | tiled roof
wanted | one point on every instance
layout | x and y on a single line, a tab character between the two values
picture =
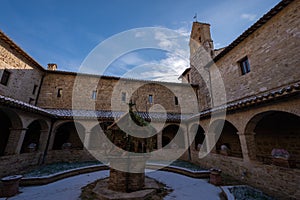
87	114
111	115
185	72
264	19
13	103
269	96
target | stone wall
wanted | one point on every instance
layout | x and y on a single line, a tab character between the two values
109	93
24	75
275	181
69	155
16	164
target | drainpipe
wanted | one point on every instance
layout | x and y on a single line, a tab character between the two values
39	90
48	141
210	87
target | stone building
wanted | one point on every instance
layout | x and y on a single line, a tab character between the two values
260	72
259	95
38	108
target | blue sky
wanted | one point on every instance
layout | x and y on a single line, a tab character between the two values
65	32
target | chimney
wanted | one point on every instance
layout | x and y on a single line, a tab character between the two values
52	66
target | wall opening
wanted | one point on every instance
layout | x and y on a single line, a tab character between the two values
172	137
228	143
32	138
277	130
5	125
67	136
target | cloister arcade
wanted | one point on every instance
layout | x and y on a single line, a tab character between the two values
25	133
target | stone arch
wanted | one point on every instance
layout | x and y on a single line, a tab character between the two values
9	120
173	136
228	139
199	135
69	135
96	136
275	130
32	140
5	125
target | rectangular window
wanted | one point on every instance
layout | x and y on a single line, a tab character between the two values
59	92
150	98
34	89
123	98
94	94
244	65
176	100
5	77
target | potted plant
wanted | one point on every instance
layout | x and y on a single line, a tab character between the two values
281	157
225	150
215	176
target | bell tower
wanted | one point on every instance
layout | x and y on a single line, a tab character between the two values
200	36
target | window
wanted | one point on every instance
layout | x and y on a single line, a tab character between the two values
94	94
123	98
150	98
244	65
176	100
188	78
59	92
34	89
5	77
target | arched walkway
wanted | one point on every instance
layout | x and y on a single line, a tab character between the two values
172	137
99	131
198	131
5	125
32	138
275	130
11	128
67	136
228	143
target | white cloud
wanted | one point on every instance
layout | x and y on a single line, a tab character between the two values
249	17
218	45
140	34
175	48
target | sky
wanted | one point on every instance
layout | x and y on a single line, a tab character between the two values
67	32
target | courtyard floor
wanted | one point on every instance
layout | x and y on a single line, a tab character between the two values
70	188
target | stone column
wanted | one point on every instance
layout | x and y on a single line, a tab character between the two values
247	141
159	140
43	140
211	141
15	141
86	141
51	140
